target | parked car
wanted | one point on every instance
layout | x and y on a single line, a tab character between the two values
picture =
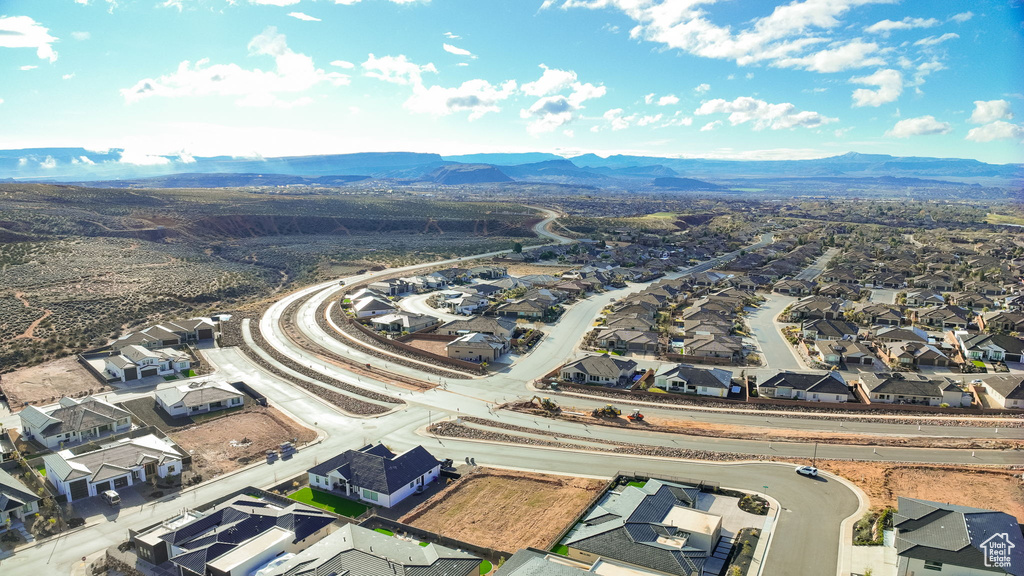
111	497
809	471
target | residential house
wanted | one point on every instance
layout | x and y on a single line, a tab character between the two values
713	327
628	322
827	387
485	290
16	500
881	314
369	306
687	379
526	309
466	304
602	369
793	287
935	282
477	347
655	526
943	317
992	347
840	276
198	398
1001	321
898	334
972	300
136	362
166	334
623	340
811	307
488	272
356	551
1006	391
707	346
842	291
113	466
838	352
924	298
454	275
235	538
494	326
534	562
911	388
73	421
375	474
948	539
400	322
912	354
822	329
392	287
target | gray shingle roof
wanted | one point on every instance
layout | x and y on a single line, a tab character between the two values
603	366
77	416
827	383
954	534
376	468
14	494
1010	387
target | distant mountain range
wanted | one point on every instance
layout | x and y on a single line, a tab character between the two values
111	168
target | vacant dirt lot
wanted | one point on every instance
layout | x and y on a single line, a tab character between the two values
433	346
506	511
978	487
47	382
225	444
527	269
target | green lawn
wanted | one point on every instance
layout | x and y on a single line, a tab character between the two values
485	567
384	532
329	502
637	484
171	377
42	471
978	363
424	544
190	373
561	549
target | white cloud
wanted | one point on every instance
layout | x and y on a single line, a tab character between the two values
886	26
649	98
343	64
920	126
68	76
702	88
304	16
81	36
274	2
677	120
569	133
669	100
24	32
451	36
1	100
293	73
22	162
551	81
49	163
762	114
962	17
457	51
990	111
889	83
998	130
933	40
788	32
711	126
85	160
617	120
548	113
396	69
648	119
478	97
854	54
555	110
139	158
27	67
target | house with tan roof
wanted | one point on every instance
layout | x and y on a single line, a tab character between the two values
198	398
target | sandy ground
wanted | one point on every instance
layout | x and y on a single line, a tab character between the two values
433	346
526	269
992	489
210	443
49	381
504	511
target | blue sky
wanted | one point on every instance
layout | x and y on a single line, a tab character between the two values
728	79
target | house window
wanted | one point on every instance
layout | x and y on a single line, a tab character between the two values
933	565
369	495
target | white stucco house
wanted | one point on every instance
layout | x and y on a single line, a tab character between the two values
73	421
376	475
198	397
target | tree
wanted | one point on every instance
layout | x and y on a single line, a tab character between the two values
517	248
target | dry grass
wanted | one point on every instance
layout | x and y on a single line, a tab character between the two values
47	382
506	511
995	489
210	443
526	269
432	346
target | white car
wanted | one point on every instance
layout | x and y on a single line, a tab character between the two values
809	471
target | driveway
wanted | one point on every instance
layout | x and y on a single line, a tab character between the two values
417	304
775	350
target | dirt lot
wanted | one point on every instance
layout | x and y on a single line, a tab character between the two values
210	443
506	511
526	269
433	346
48	382
978	487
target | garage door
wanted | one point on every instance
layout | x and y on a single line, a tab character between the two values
103	486
1013	357
120	482
79	489
149	372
